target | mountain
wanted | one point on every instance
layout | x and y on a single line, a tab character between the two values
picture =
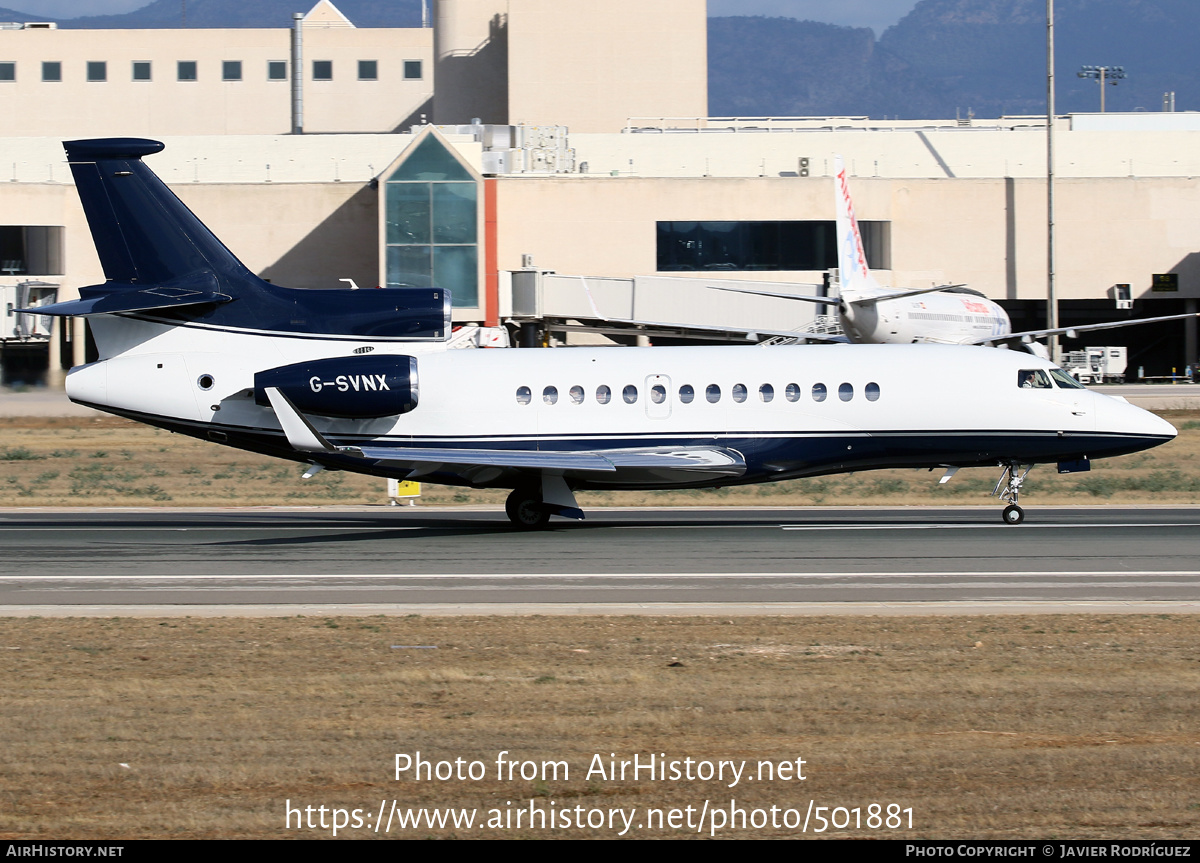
238	13
944	56
991	54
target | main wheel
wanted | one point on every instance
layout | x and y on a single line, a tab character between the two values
525	510
1013	514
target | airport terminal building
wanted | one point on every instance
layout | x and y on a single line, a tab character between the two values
551	162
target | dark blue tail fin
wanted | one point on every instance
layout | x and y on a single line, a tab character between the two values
143	233
161	261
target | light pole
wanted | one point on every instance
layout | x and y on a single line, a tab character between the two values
1103	74
1051	295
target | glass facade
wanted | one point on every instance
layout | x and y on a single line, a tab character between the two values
431	211
746	246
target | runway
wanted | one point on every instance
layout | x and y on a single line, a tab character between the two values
374	560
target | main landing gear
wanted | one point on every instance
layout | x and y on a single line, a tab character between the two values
530	506
525	509
1012	479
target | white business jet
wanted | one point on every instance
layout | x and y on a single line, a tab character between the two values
190	340
947	314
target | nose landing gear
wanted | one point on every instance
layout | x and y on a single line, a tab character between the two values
1012	479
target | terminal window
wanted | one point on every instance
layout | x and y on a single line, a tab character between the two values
231	70
141	70
186	70
31	250
8	71
432	212
322	70
51	70
276	70
763	246
412	70
97	70
368	70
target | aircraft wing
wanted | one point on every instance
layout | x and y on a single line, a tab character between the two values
693	461
870	300
865	300
656	462
1070	332
783	295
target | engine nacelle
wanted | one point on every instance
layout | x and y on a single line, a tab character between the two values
359	387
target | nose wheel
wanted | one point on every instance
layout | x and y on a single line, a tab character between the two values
1008	488
1013	514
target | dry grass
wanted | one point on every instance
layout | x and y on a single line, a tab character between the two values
115	462
988	727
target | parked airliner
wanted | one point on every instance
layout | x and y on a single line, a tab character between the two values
190	340
946	315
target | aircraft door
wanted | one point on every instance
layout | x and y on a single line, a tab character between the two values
658	397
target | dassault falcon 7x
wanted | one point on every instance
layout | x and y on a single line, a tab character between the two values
944	315
190	340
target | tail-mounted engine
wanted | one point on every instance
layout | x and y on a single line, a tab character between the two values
360	387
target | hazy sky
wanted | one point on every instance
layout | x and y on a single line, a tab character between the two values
74	8
876	14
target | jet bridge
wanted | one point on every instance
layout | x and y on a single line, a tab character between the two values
661	307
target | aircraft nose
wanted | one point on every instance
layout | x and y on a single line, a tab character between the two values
1120	417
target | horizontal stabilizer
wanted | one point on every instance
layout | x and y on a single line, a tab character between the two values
111	298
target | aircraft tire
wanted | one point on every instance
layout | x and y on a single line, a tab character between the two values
525	510
1013	514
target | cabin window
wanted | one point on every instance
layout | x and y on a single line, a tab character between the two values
713	393
630	394
792	392
1035	379
739	393
846	392
577	395
603	394
871	391
686	394
550	395
524	395
766	392
819	392
658	394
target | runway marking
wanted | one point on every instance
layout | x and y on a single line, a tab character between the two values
667	575
313	528
976	526
222	528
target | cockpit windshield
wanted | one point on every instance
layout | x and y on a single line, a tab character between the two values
1065	381
1034	379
